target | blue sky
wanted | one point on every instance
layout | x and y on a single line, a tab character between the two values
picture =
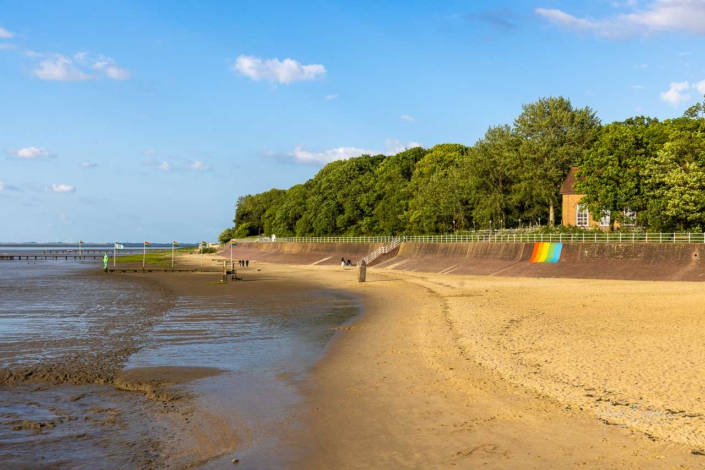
146	120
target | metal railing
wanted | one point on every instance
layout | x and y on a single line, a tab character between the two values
511	237
383	250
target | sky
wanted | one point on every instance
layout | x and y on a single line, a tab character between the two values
145	121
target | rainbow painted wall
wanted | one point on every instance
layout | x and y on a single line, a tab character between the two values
545	252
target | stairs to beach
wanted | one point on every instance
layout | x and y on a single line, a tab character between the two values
388	248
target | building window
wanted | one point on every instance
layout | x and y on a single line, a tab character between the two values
629	218
581	216
605	219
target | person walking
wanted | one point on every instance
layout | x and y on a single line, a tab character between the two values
247	263
105	262
342	262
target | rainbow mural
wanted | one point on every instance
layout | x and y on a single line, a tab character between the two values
545	252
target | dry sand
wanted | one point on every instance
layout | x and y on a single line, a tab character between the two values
446	371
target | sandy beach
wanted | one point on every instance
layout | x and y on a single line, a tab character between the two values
438	371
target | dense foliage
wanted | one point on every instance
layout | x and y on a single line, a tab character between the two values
510	178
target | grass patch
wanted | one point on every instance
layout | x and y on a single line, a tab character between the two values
155	258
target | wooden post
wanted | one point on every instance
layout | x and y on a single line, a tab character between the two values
362	271
225	271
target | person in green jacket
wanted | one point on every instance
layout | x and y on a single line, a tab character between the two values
105	262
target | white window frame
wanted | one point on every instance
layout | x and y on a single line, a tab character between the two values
582	216
605	219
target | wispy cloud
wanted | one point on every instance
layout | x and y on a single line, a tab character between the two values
499	19
332	97
198	165
7	187
684	16
276	71
407	118
5	34
641	66
62	188
159	165
149	152
82	66
301	155
639	87
700	86
7	47
30	153
87	164
394	146
676	94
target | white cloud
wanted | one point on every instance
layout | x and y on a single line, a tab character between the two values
31	153
677	94
639	87
3	186
407	118
111	69
62	188
5	34
685	16
684	53
7	47
641	66
81	67
159	165
394	146
274	70
301	155
700	86
87	164
198	165
638	109
332	97
149	152
304	156
61	69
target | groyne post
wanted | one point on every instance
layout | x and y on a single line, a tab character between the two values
225	271
362	271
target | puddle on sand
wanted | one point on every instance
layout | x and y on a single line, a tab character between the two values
266	346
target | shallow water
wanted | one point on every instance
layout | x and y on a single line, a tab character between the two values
265	345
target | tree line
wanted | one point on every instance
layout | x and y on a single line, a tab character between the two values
509	178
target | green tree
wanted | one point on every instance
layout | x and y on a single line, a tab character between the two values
440	191
392	195
226	235
553	137
612	174
491	179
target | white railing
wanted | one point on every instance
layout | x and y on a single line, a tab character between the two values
513	237
383	250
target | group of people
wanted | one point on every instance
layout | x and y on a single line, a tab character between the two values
243	263
344	263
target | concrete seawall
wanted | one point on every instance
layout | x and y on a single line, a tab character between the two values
674	262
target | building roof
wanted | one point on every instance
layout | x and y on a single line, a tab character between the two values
567	187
